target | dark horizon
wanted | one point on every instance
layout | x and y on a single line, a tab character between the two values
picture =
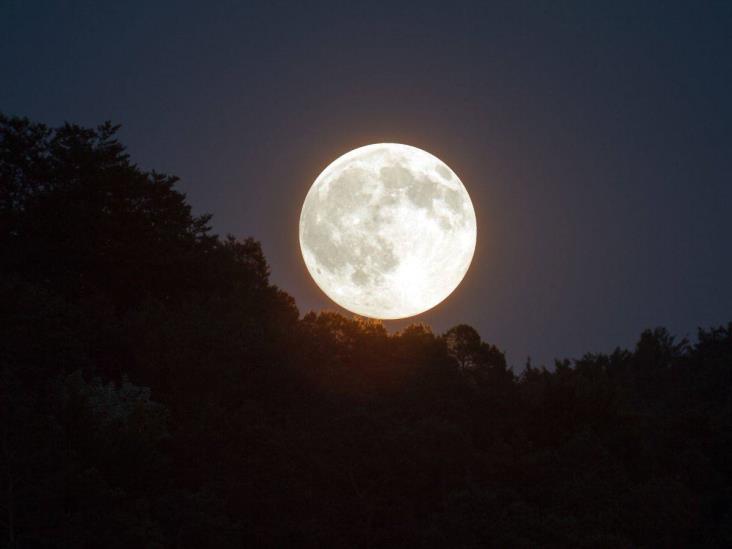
157	390
595	141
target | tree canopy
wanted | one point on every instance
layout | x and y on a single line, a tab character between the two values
157	390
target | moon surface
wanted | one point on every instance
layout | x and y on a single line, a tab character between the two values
387	231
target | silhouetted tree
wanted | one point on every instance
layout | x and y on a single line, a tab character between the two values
157	390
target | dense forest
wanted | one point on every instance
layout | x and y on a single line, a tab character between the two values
156	390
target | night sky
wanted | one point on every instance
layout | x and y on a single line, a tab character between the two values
595	139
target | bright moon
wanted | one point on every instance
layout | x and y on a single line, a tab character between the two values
387	231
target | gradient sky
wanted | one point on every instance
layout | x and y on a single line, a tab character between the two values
595	138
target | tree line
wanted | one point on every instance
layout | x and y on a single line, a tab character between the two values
157	390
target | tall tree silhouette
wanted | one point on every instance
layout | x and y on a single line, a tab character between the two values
156	390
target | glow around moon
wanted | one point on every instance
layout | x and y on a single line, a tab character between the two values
387	231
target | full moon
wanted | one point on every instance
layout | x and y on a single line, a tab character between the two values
387	231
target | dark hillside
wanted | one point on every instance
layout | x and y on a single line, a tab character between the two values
156	390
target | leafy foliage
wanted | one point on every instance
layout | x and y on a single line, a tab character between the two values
157	390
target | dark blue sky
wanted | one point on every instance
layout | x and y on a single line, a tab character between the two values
595	138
